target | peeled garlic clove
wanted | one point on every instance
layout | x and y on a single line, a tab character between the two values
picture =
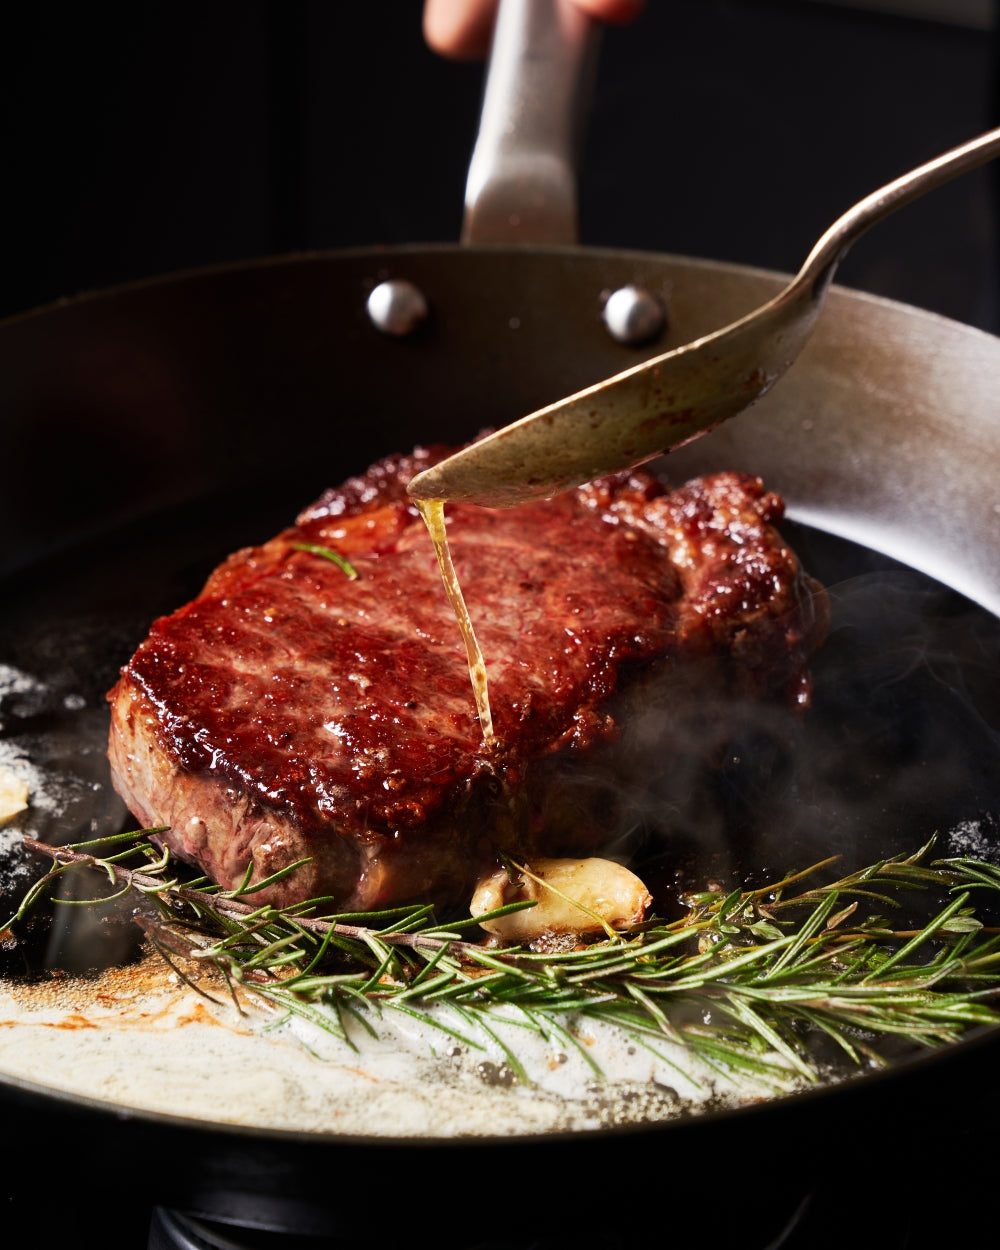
587	888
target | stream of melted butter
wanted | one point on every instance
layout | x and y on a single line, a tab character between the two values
433	513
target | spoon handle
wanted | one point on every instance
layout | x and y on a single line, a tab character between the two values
830	249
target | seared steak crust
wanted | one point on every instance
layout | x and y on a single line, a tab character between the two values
291	712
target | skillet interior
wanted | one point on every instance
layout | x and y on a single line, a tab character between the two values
266	382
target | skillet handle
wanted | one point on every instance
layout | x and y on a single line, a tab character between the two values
521	186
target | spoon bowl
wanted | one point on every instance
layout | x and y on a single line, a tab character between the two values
670	399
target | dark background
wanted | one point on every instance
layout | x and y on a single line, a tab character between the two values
149	138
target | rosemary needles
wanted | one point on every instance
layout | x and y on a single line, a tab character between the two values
767	982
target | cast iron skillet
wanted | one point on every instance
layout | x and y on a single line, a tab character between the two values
262	383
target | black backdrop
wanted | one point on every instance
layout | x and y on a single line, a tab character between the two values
148	138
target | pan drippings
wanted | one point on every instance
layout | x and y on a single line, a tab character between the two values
433	515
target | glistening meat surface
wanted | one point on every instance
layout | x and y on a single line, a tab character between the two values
289	712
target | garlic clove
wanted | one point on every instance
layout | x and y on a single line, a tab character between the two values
568	894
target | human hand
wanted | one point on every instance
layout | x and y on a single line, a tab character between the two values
461	29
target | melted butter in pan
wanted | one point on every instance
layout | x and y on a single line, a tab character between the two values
138	1037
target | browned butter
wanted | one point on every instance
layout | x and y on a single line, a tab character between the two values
432	511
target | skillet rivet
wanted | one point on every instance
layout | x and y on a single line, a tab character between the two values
397	307
633	316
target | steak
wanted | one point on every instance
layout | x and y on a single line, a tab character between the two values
290	712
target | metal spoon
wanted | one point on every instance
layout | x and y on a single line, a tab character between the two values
671	399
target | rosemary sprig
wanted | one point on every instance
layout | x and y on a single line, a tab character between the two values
750	981
334	557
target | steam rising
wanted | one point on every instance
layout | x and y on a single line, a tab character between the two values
901	743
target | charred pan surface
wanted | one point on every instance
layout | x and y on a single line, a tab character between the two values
289	712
